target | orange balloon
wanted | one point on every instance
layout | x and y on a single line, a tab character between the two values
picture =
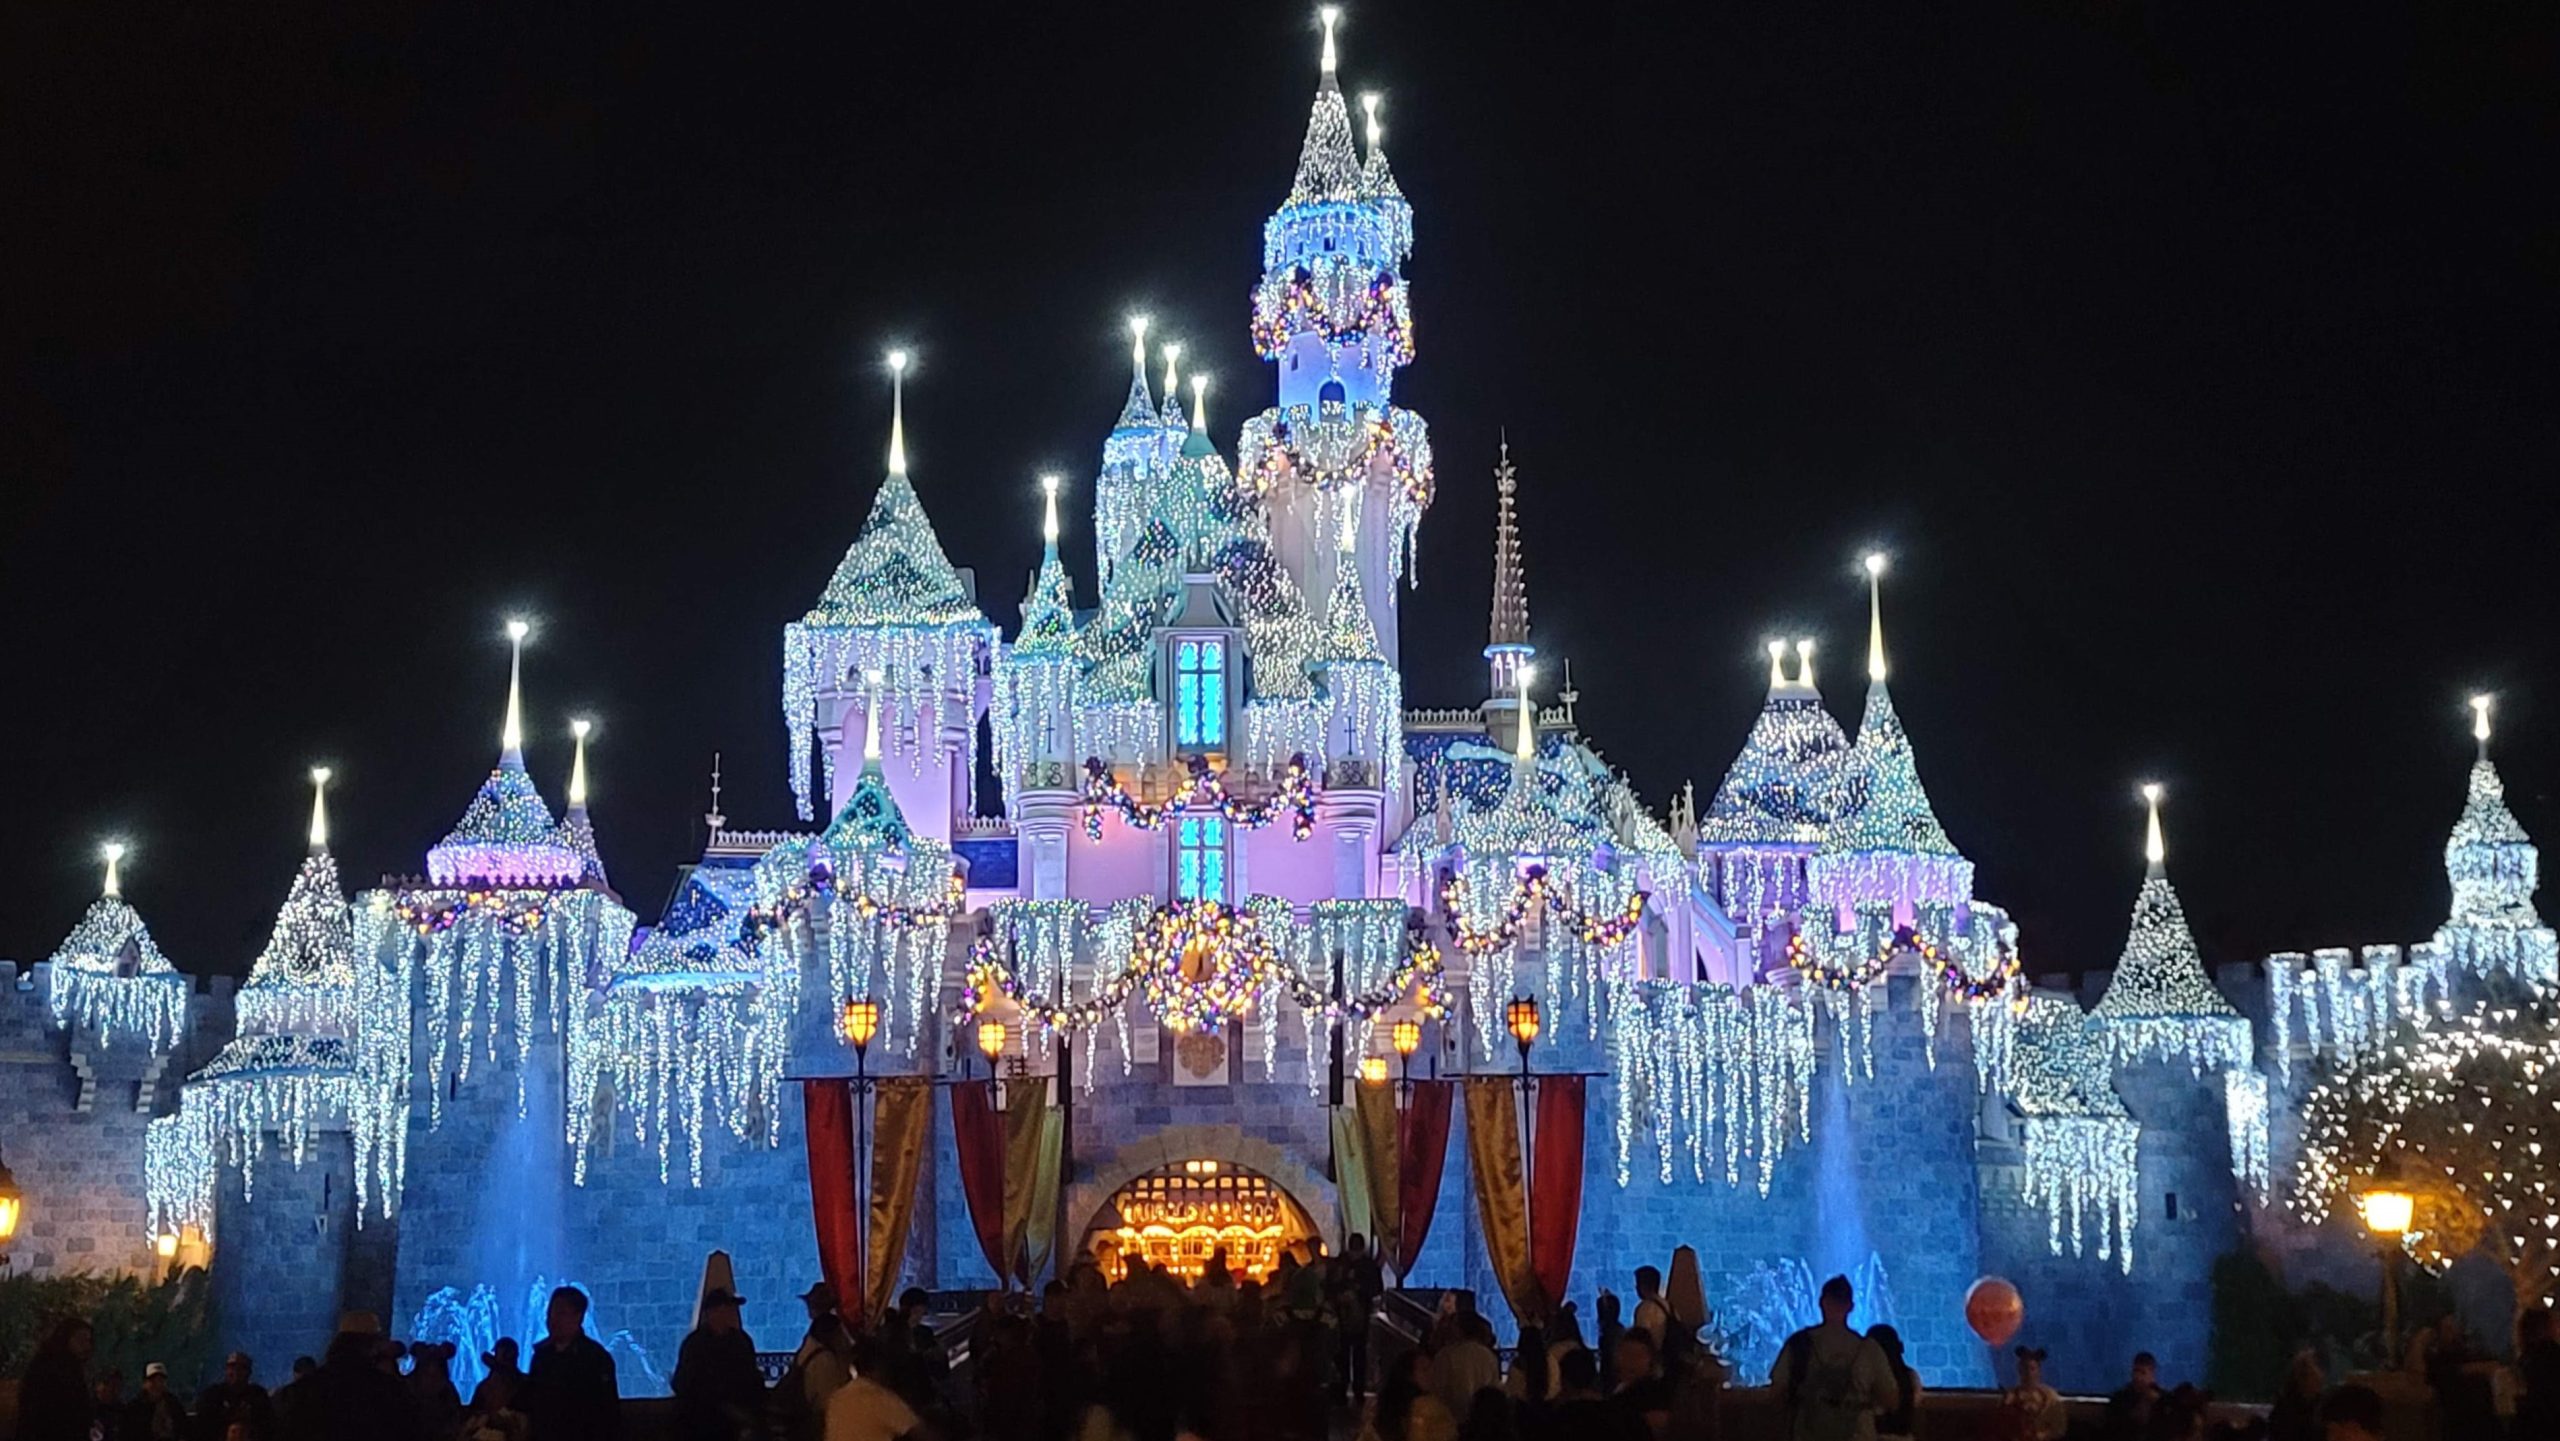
1995	1310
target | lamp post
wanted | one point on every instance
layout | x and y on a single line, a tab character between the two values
991	1036
1407	1036
860	1022
13	1207
2387	1212
1522	1018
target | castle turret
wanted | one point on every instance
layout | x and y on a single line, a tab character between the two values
1507	649
1777	800
1332	314
2161	1004
1032	716
1886	848
1132	459
898	606
109	976
2494	867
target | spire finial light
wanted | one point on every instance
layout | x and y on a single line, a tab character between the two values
1369	103
1330	15
578	765
113	852
319	808
871	719
897	412
511	734
1875	563
1138	345
1172	356
1049	511
1777	664
1804	662
1200	403
2154	849
2480	721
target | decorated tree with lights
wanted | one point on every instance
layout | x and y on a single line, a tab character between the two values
2464	1116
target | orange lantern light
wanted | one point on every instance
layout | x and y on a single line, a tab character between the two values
861	1021
1407	1036
991	1037
1373	1069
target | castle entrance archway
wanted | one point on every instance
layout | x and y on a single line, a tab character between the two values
1179	1215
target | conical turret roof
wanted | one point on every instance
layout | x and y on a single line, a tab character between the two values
1329	167
507	833
2161	1003
109	973
895	572
1785	787
1891	810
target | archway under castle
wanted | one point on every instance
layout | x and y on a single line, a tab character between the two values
1171	1148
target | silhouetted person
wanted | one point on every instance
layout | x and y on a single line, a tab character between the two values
570	1390
54	1403
1832	1381
2133	1405
235	1399
2538	1368
719	1391
157	1414
349	1398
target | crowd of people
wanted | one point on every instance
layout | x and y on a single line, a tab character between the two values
1227	1357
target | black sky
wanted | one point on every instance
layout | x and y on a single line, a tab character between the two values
2196	362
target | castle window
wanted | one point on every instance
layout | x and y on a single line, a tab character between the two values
1331	393
1200	858
1200	693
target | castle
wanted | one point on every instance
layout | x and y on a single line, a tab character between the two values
1226	890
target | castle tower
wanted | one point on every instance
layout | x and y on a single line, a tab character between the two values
1032	715
1776	803
1133	456
1331	313
896	605
1507	650
2494	868
1886	849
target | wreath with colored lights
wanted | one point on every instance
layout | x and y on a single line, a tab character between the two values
1203	963
1536	887
431	913
1294	796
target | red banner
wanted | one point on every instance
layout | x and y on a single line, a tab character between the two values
828	1108
1422	1150
977	1133
1555	1183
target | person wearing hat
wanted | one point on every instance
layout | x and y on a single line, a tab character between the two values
823	1363
234	1400
157	1414
719	1391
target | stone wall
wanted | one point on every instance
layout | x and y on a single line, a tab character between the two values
72	1117
280	1253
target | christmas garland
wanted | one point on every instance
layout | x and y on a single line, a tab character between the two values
1536	887
1964	985
1203	788
1348	302
434	912
1241	966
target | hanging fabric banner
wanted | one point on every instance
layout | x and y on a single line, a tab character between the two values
901	1127
1034	1133
1422	1152
977	1135
1502	1195
1555	1182
1351	1172
827	1110
1376	1117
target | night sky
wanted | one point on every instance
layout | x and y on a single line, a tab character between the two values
2196	363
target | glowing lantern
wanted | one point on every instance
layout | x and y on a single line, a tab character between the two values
1373	1069
991	1036
860	1022
13	1205
1522	1017
2387	1213
1407	1036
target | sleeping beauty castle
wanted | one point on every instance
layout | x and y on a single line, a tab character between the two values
1166	925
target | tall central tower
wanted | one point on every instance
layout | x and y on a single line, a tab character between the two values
1345	474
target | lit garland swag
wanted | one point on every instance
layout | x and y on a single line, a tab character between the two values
1197	964
1202	788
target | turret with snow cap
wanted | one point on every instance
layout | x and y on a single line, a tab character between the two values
1331	314
897	605
2494	867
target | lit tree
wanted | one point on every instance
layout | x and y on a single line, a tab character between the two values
2464	1115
